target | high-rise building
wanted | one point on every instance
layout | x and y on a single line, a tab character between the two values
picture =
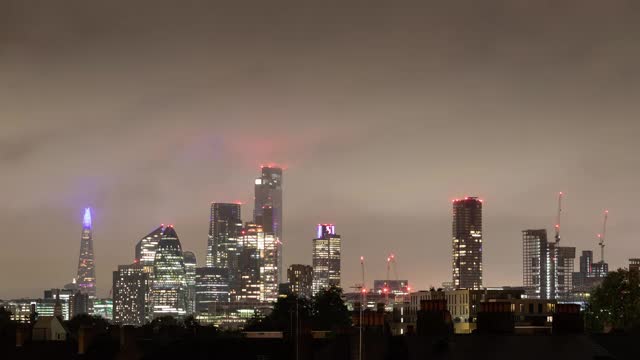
634	264
547	267
65	296
467	243
190	276
146	248
211	287
130	295
169	285
268	206
300	279
535	270
224	226
326	258
86	280
257	265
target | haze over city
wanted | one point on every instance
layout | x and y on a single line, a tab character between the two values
380	116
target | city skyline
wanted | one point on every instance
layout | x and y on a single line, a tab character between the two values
379	116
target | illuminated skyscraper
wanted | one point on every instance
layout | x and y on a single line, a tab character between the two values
86	265
326	258
169	290
130	295
547	267
257	265
190	276
224	226
467	243
146	248
268	206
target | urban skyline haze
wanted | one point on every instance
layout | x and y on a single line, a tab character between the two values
381	115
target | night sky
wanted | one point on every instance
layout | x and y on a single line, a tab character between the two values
381	115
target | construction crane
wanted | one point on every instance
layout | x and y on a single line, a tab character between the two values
602	235
558	217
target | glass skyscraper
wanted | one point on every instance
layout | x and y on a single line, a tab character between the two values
224	226
86	279
169	290
257	265
467	243
547	268
146	248
190	276
267	210
326	258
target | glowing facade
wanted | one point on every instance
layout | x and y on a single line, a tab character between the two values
211	287
224	227
547	269
190	277
146	248
326	258
86	279
169	291
130	295
268	206
467	243
257	254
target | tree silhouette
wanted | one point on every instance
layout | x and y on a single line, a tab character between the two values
615	302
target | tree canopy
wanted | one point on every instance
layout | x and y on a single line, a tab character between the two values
615	303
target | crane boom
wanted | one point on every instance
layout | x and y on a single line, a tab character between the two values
558	217
603	235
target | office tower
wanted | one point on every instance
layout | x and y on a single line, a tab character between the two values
211	287
257	254
189	259
326	258
634	264
86	280
300	279
268	206
467	243
534	259
224	226
169	285
146	248
130	295
600	269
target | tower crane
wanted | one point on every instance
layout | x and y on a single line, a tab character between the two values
601	236
558	217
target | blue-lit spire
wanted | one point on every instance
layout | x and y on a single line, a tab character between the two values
86	221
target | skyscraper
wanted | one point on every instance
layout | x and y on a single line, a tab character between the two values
146	248
268	206
190	276
300	278
257	265
211	287
130	295
86	263
535	267
467	243
224	226
547	267
169	287
326	258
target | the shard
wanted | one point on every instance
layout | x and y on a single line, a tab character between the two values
86	280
